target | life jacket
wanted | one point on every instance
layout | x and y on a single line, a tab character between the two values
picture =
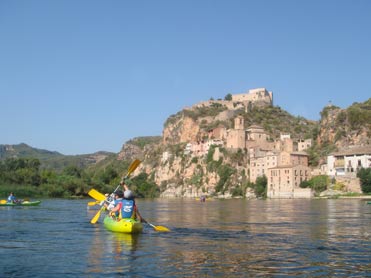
127	208
115	203
11	199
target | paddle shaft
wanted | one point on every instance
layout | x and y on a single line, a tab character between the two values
131	169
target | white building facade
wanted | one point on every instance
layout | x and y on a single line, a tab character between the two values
349	162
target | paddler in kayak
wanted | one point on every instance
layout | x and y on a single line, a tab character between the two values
115	213
126	207
11	198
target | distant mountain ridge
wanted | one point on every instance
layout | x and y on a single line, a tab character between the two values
24	150
51	159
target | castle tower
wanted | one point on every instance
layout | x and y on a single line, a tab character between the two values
236	137
239	123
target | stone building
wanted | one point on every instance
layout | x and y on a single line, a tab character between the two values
303	145
285	143
259	96
347	162
284	181
293	158
259	164
236	137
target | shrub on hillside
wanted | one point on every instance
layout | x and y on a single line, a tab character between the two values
364	176
317	183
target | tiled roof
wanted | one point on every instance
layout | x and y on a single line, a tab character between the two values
356	150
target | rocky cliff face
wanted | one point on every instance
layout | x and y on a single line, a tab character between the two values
221	172
184	129
178	174
342	127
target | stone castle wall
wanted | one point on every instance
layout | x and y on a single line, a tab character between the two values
259	96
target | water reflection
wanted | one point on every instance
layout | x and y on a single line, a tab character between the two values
268	237
120	243
219	238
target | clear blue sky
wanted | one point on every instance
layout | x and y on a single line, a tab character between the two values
83	76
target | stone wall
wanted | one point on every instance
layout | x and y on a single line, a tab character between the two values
352	184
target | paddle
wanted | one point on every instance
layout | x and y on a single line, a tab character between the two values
96	217
93	203
2	201
100	197
131	169
156	228
96	195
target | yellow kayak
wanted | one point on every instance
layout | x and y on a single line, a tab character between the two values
125	225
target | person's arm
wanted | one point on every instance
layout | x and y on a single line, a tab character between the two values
124	186
116	208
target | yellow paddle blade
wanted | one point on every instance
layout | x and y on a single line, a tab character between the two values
96	217
2	201
156	228
161	229
96	195
93	203
132	167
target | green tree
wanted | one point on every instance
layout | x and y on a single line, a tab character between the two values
224	172
73	171
364	176
107	175
48	176
143	187
228	97
260	187
319	183
20	171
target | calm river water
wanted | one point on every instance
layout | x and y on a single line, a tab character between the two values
218	238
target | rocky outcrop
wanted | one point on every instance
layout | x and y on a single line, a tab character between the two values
130	152
335	127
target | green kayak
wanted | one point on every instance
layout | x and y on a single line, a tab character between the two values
24	203
125	225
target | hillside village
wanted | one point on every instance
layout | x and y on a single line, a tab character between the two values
239	146
283	160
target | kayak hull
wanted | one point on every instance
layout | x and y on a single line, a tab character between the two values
125	225
23	204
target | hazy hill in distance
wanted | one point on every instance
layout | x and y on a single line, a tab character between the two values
51	159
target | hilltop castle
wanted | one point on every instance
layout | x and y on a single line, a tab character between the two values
253	97
259	96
